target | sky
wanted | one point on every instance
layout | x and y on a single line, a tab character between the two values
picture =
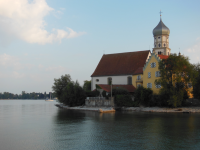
41	40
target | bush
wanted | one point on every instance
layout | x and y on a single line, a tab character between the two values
119	91
105	95
69	92
123	101
94	93
143	96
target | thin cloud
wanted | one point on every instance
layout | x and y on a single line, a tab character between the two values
194	52
56	69
25	20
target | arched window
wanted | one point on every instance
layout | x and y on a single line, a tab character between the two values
159	45
129	79
109	81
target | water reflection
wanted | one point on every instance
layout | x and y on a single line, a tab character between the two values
124	130
41	125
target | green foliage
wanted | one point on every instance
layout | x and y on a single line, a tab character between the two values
176	72
104	94
123	101
119	91
69	92
196	87
94	93
33	95
143	96
87	85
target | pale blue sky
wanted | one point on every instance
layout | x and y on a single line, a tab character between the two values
42	40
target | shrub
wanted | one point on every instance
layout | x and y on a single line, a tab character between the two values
123	101
119	91
69	92
94	93
143	96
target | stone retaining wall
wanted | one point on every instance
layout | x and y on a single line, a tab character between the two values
99	102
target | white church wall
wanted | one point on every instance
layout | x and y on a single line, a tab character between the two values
104	80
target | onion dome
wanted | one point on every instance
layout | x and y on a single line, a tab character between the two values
161	29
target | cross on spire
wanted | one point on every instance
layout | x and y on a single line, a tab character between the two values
160	14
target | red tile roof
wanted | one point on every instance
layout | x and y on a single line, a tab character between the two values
107	88
121	63
163	56
139	71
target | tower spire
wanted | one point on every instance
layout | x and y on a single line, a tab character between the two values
160	14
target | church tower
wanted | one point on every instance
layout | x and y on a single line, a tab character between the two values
161	39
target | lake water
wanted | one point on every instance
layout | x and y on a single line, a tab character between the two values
39	125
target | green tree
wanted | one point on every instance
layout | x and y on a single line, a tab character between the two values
143	96
87	85
176	72
69	92
196	87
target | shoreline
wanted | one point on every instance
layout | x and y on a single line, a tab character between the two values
136	109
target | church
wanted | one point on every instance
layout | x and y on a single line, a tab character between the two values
133	69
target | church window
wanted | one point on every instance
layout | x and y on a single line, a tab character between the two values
159	45
109	81
97	80
129	80
164	45
159	37
139	77
153	65
149	74
159	53
158	85
157	73
149	85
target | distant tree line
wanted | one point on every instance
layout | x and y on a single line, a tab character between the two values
24	95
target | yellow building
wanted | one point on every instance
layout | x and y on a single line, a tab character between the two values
151	72
133	69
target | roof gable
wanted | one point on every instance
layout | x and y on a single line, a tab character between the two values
147	63
121	63
158	58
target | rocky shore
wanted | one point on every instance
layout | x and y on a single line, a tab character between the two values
98	109
137	109
165	110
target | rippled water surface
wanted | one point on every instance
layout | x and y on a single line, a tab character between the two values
39	125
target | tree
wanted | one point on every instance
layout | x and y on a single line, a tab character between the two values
68	92
122	97
143	96
176	73
87	85
196	87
